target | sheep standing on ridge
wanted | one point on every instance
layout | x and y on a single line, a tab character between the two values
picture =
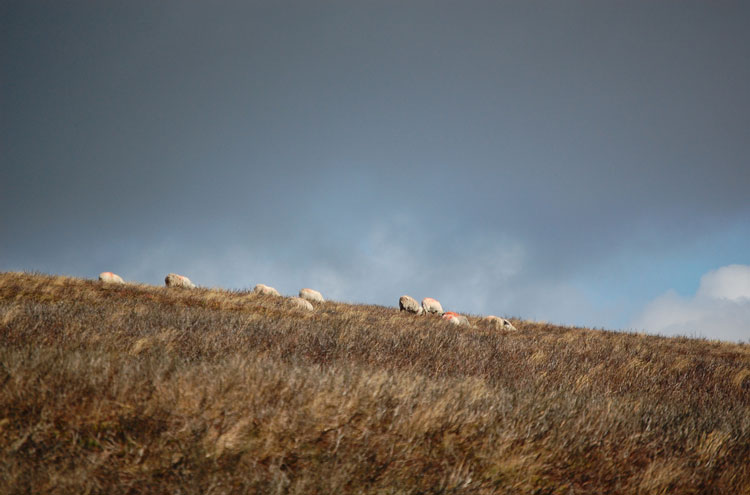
299	303
265	290
311	295
174	280
431	305
112	278
497	323
410	305
455	318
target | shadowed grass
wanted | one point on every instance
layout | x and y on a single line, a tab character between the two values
140	389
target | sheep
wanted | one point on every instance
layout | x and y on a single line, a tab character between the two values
431	305
455	318
409	304
300	303
109	277
174	280
265	290
497	323
311	295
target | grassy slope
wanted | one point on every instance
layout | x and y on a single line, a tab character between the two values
134	389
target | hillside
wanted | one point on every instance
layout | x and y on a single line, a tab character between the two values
143	389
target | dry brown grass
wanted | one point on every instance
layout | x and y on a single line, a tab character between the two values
140	389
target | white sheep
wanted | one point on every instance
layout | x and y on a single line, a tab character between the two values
455	318
409	304
497	323
174	280
431	305
311	295
300	303
265	290
111	278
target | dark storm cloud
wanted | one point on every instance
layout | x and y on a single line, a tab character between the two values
294	132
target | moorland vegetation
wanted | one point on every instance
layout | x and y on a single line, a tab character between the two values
109	388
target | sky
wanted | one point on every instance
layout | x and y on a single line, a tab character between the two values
583	163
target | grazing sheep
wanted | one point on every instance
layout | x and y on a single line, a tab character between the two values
111	278
497	323
174	280
431	305
410	305
455	318
265	290
311	295
300	303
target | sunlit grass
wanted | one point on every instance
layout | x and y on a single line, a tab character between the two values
141	389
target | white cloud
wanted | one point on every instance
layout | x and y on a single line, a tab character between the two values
720	309
728	282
